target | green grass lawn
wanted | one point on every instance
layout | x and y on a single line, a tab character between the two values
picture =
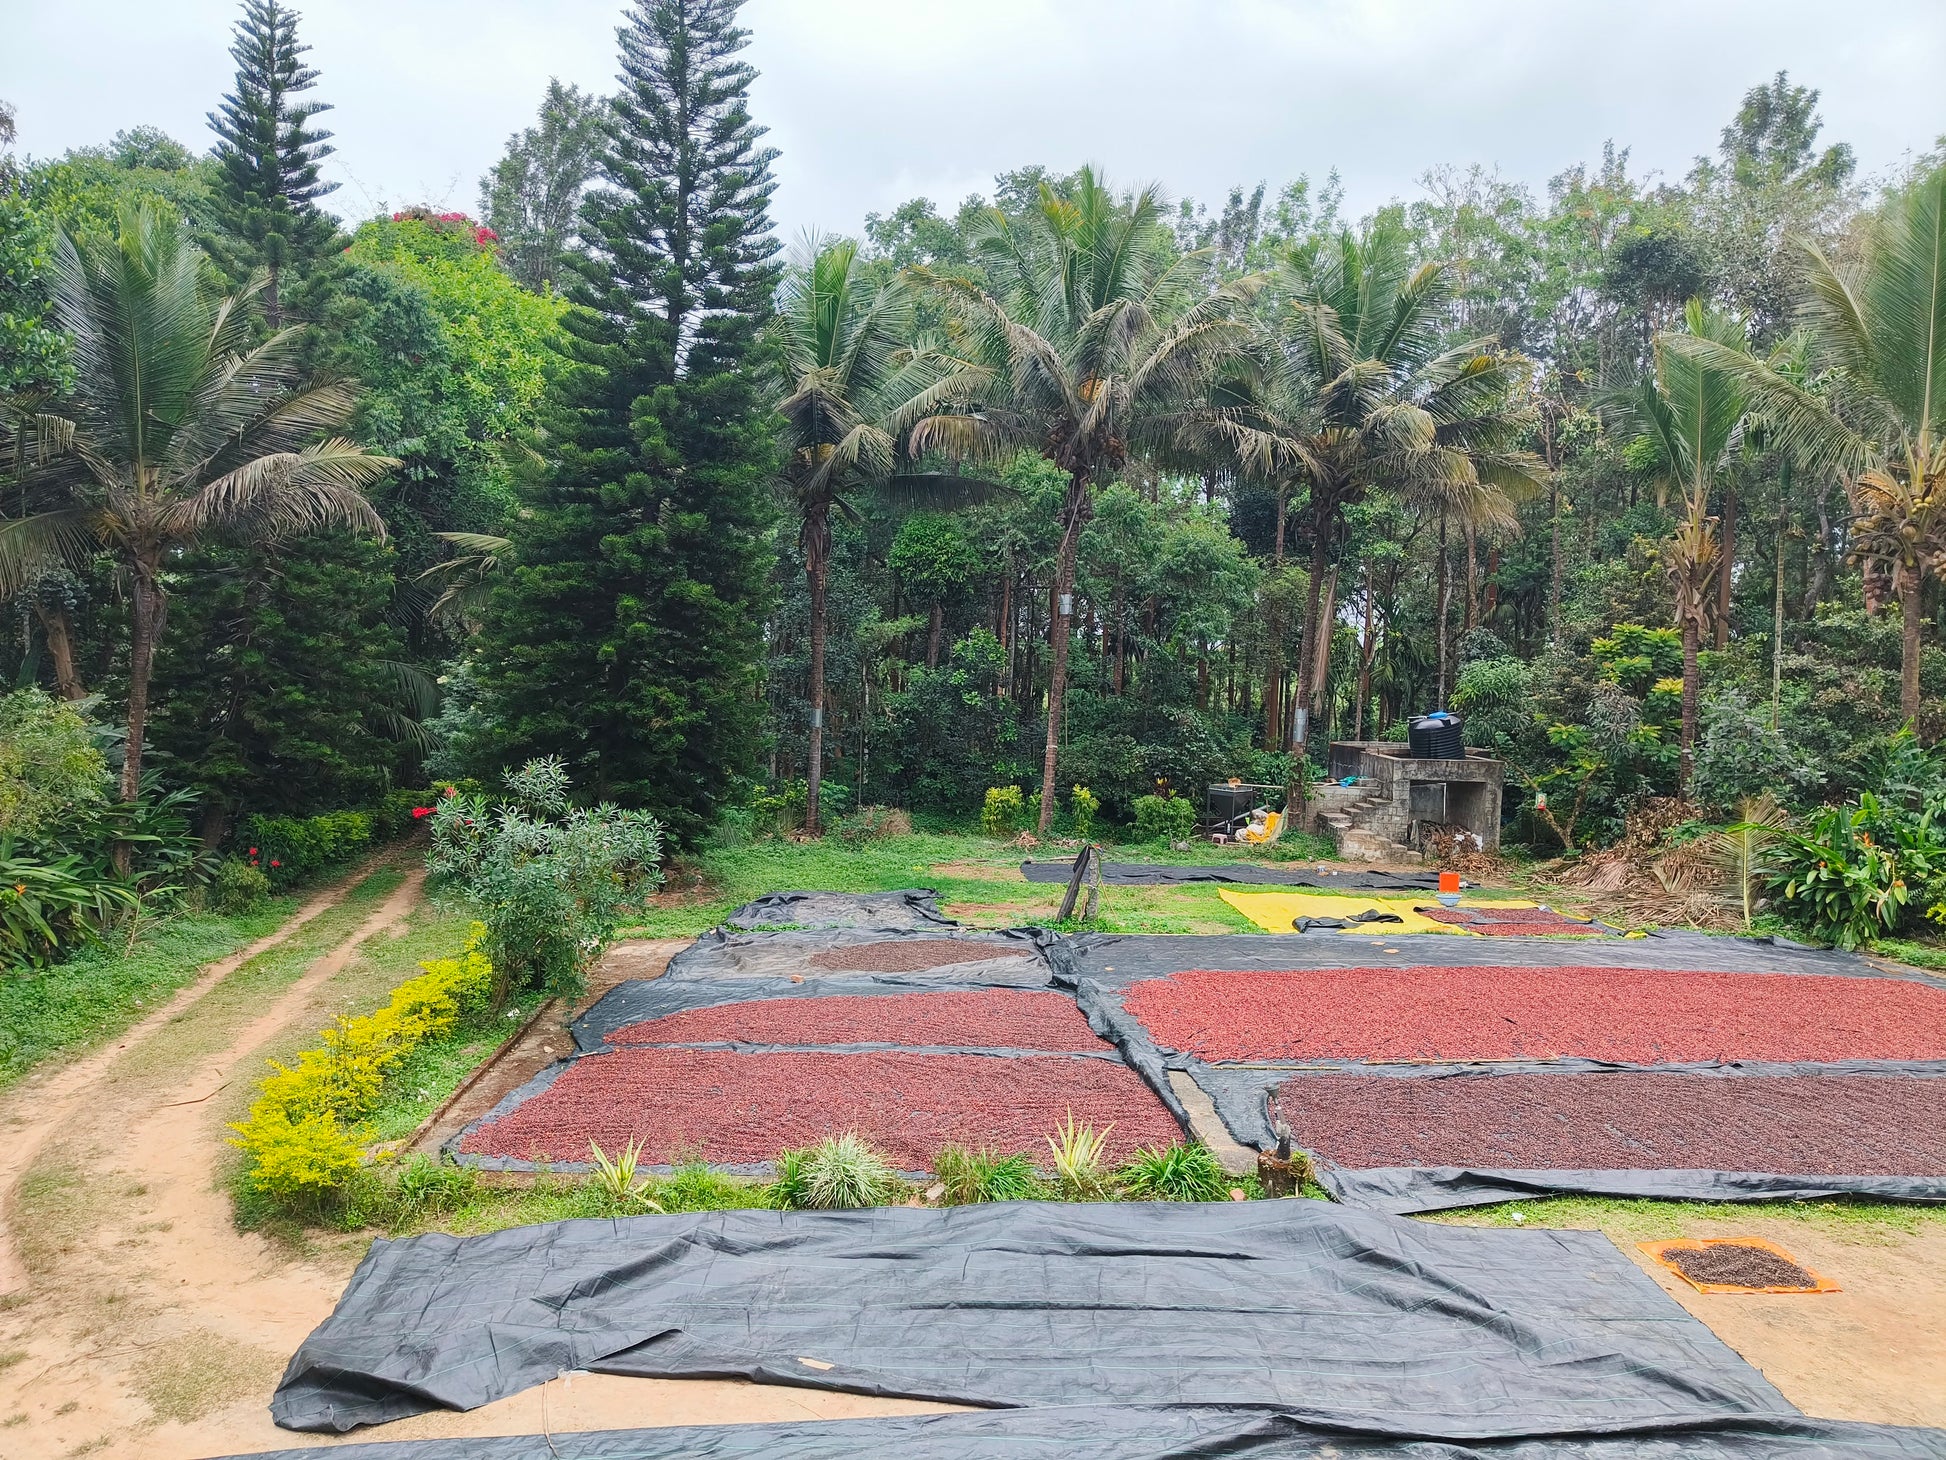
102	990
977	878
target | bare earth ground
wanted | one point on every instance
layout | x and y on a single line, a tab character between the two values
137	1321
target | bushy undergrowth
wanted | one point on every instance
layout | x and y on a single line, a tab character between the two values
305	1137
1163	819
552	881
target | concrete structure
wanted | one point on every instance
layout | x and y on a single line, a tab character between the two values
1383	815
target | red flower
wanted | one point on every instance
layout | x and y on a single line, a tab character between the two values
253	851
420	813
275	863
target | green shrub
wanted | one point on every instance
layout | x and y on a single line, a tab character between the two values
1085	806
238	887
49	907
839	1173
50	766
304	1138
1860	873
553	881
1175	1173
396	814
1163	819
872	824
289	849
1001	812
984	1175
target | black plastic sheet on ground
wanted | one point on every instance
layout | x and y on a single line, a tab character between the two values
907	910
1094	1432
1101	967
640	1000
1338	1318
1157	874
1018	958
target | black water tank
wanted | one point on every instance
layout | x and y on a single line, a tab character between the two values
1436	737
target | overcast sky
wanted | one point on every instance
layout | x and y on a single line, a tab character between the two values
875	101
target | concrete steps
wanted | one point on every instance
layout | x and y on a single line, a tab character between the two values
1344	814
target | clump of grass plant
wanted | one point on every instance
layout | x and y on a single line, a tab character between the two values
1174	1173
1080	1173
971	1176
614	1180
839	1173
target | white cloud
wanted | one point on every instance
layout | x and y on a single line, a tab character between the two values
874	101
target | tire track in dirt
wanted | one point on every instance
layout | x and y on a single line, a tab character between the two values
39	1106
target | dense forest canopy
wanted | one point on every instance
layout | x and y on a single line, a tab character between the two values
1071	483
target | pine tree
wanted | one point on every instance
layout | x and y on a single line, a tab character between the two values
266	204
628	639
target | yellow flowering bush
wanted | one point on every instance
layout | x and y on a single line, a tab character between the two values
304	1136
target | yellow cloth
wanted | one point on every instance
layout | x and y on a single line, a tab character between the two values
1275	912
1268	834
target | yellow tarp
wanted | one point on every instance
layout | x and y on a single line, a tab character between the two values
1275	912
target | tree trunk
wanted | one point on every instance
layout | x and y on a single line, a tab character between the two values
1274	644
1467	615
1307	648
1320	667
1492	602
1726	558
817	566
1909	607
1006	631
58	630
1444	595
1366	645
1777	614
1692	684
273	307
1076	513
933	633
1120	614
148	611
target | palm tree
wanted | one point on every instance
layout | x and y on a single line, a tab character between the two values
1089	341
1690	414
1877	323
177	432
843	337
1368	392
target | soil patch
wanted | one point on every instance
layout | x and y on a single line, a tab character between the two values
1629	1016
909	955
1738	1265
1860	1125
991	1018
727	1108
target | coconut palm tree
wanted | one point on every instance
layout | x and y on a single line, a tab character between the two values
1365	390
1690	414
1088	340
844	339
178	431
1877	323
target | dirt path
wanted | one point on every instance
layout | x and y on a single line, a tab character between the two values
141	1323
40	1105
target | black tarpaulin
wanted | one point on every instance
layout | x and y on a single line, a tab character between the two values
641	1000
1338	1317
1100	968
906	910
1156	874
1093	1432
1018	957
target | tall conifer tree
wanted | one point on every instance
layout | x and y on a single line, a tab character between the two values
266	203
628	639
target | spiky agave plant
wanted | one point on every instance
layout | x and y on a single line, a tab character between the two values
1078	1150
614	1177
